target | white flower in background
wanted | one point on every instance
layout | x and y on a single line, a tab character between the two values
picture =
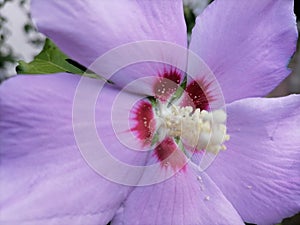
197	6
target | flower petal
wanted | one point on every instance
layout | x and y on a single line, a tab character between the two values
87	29
260	171
247	44
186	198
43	177
138	67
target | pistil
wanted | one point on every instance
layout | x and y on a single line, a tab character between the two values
197	129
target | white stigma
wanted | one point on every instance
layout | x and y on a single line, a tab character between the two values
197	129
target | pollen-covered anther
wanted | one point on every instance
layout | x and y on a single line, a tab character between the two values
197	129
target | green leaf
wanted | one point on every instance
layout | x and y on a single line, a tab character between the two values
49	60
52	60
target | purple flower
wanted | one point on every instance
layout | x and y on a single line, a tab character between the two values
246	45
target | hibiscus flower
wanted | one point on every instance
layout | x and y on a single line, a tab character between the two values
86	151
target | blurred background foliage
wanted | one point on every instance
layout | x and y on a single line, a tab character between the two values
8	54
9	57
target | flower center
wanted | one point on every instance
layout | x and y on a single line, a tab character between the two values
195	128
